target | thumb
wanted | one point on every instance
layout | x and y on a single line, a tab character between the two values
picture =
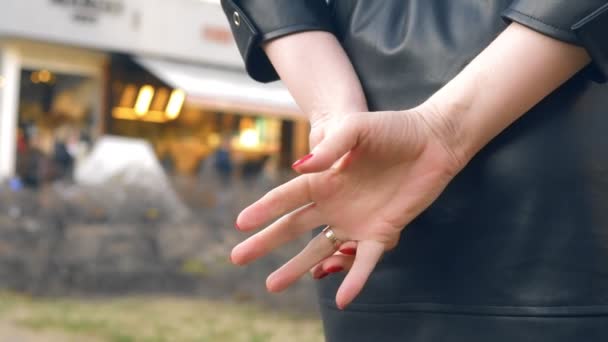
334	146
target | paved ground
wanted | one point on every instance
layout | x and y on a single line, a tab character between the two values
10	332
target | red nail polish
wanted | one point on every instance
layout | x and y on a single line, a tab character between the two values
349	251
322	275
301	161
334	269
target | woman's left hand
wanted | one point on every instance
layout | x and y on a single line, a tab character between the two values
393	165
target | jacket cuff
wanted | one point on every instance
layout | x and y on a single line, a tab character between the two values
579	22
254	22
592	32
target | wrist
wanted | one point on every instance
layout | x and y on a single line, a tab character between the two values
458	117
319	113
444	121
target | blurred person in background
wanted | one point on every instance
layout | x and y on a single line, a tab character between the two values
479	126
253	168
222	161
34	167
63	158
21	141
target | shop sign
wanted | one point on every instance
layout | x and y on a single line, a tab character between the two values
187	30
217	34
88	11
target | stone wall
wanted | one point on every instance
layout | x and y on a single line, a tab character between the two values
67	239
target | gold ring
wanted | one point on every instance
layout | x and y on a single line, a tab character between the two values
331	236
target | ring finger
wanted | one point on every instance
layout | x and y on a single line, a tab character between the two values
318	249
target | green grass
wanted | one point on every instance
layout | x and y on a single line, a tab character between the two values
154	319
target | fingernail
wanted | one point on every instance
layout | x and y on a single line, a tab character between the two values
301	160
334	269
349	251
321	276
236	225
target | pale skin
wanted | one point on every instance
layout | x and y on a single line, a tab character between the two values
371	173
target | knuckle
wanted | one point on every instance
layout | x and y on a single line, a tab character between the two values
274	197
325	185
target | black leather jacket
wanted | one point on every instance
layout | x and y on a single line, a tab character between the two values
517	246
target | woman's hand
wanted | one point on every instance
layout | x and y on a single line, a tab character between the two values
398	162
394	165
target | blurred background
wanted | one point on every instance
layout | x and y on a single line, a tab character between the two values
130	138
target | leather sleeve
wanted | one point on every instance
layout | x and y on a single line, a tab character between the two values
254	22
580	22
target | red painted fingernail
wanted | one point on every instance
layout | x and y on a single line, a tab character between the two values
236	225
334	269
349	251
301	161
322	275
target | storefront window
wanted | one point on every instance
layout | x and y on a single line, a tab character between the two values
200	140
203	142
57	115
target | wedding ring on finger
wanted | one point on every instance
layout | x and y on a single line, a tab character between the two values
331	236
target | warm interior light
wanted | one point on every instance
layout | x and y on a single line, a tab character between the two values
249	138
214	140
176	101
128	96
44	76
146	93
34	77
161	98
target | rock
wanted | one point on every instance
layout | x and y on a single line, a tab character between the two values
181	242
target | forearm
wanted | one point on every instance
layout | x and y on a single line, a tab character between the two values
317	72
503	82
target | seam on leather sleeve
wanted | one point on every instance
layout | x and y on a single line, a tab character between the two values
591	31
540	26
292	29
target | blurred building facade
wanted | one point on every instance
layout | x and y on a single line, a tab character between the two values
163	70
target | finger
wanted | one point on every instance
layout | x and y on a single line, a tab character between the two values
287	228
317	271
348	248
316	135
333	147
277	202
319	248
368	255
334	264
337	263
